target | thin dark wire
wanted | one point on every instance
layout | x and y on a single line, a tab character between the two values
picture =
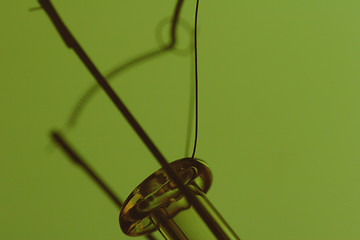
35	9
196	82
186	26
75	157
71	42
84	99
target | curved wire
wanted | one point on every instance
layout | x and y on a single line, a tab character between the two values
84	99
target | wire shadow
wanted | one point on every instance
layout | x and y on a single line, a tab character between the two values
84	100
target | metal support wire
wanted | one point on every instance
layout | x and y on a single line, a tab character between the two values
75	157
71	42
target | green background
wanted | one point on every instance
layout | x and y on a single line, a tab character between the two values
279	115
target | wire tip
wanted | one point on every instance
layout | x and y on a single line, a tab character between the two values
55	135
35	9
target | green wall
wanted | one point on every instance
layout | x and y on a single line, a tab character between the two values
279	115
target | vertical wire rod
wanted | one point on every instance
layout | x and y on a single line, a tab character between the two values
196	80
71	42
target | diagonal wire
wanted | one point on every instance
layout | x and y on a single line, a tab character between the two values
72	43
78	160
